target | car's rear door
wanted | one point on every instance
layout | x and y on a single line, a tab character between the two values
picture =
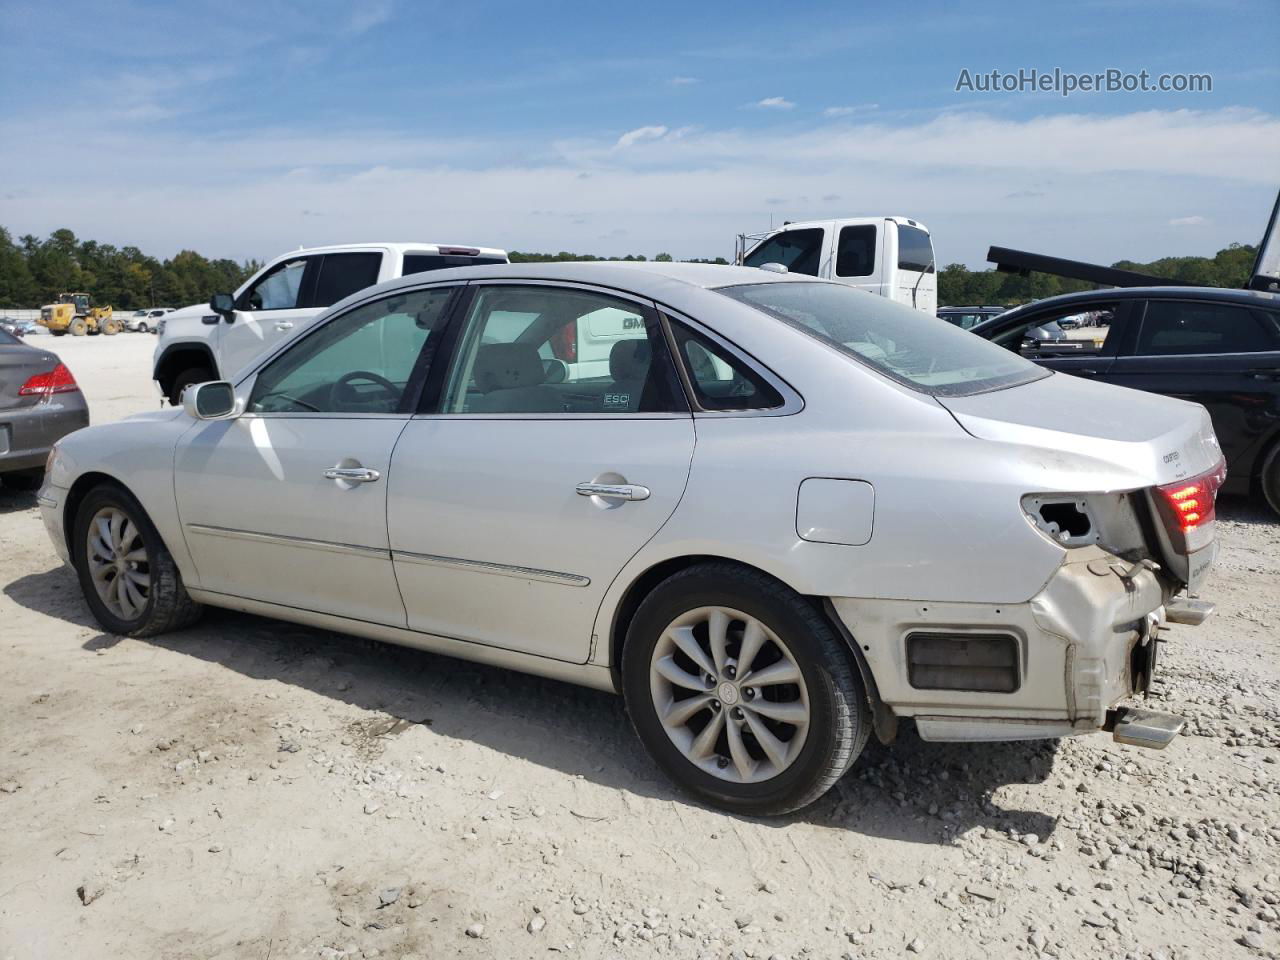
287	502
1223	355
515	502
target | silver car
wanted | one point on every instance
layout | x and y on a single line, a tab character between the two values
787	515
40	402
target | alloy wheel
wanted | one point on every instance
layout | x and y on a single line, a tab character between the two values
729	694
118	563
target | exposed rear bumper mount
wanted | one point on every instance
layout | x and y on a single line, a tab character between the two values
1188	611
1143	728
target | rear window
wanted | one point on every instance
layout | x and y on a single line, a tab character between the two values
911	347
424	262
800	251
915	250
342	274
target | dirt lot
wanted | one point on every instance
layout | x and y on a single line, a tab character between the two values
252	789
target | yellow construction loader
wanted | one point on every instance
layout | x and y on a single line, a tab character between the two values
75	314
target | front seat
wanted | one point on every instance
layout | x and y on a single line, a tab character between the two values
629	369
510	379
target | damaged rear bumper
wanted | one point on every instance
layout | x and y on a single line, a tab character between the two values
1049	667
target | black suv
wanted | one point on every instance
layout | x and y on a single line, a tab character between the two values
1217	347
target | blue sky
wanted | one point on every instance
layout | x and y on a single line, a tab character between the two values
244	129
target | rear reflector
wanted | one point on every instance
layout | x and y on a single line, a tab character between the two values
57	380
1189	508
986	662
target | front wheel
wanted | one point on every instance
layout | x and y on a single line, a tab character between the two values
185	379
128	576
742	691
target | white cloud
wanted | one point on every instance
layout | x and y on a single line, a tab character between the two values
1194	221
775	103
683	81
639	135
368	14
975	179
849	111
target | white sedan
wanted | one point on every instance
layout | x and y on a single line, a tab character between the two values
787	515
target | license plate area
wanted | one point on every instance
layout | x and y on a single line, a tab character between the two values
4	439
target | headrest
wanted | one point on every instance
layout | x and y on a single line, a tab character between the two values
506	366
629	360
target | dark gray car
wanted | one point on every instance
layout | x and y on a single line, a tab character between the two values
39	404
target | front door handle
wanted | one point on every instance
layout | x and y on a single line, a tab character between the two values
615	491
352	474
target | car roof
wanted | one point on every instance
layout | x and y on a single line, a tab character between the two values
1220	294
649	279
395	246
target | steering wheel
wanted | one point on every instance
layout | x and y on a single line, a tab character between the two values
339	394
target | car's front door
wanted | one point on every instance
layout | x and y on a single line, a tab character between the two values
517	501
286	299
287	502
1225	356
1086	348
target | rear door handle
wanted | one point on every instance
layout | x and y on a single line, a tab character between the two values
284	325
352	474
615	491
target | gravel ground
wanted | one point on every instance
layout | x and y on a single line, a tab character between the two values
249	788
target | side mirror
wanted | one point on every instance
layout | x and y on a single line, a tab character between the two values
215	400
224	305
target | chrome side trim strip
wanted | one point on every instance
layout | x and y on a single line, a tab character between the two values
500	569
350	549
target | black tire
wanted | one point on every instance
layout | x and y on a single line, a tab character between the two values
23	479
1269	478
840	718
169	606
185	379
142	326
58	333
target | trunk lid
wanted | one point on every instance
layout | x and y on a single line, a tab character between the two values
18	363
1153	438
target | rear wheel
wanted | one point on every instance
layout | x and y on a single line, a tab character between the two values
78	328
185	379
127	575
1269	478
142	326
741	690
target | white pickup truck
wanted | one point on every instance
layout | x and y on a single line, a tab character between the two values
279	301
889	256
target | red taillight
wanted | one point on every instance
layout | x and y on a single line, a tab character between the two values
564	342
57	380
1190	506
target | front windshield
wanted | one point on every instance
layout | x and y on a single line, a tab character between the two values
912	347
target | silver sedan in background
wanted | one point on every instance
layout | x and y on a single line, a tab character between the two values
776	514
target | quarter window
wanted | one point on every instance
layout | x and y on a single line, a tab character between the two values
915	250
278	289
720	381
800	251
1173	327
360	362
856	252
536	349
342	274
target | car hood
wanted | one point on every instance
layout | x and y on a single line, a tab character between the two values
1064	422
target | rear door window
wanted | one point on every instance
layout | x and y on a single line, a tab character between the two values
1188	327
800	251
856	253
342	274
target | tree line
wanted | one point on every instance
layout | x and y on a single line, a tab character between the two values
34	271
